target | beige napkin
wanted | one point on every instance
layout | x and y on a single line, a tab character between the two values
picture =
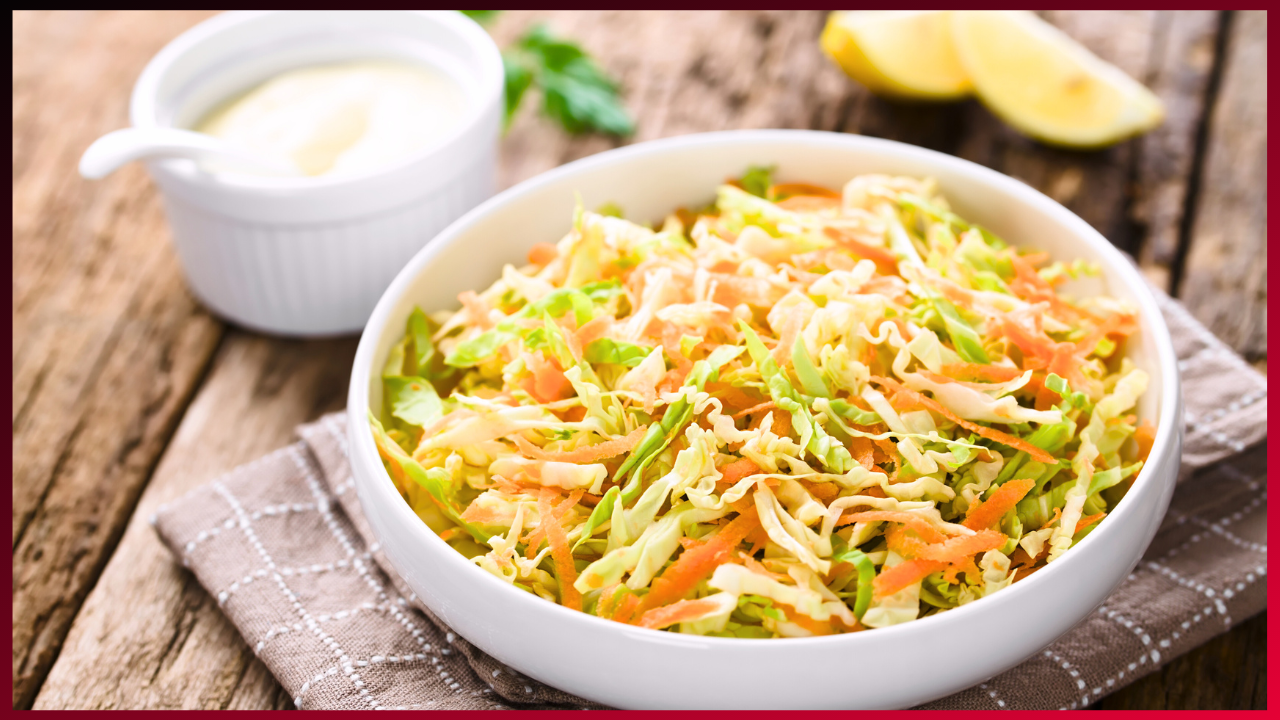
283	546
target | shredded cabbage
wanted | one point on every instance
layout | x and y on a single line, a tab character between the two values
797	412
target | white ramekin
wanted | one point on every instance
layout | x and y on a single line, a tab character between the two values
631	667
311	256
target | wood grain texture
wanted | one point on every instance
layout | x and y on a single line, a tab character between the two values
1225	280
731	70
1182	59
107	344
149	636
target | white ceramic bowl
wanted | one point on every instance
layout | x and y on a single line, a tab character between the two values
311	256
631	667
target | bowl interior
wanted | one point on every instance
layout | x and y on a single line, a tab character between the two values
660	177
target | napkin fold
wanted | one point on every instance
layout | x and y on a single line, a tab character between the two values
283	545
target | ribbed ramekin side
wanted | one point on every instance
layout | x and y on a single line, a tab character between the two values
313	279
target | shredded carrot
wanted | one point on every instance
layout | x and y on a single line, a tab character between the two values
903	575
476	308
989	373
903	541
923	527
1028	284
817	627
584	455
781	424
1145	435
689	543
1020	557
483	515
986	432
608	596
834	259
758	539
573	414
824	491
1119	323
733	290
1026	272
548	382
543	253
975	385
732	398
672	380
968	567
545	522
783	190
1023	572
808	203
1005	498
1045	398
885	450
566	573
1057	515
695	565
958	548
593	330
863	450
679	611
755	409
885	260
731	473
1036	344
626	609
1087	521
791	324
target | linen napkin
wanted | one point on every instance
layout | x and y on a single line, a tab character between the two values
283	546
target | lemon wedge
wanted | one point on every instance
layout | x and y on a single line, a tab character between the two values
899	53
1047	85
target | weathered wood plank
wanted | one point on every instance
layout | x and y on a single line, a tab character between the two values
149	636
1224	283
107	343
1181	63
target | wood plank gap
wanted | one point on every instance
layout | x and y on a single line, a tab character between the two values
1140	229
1187	226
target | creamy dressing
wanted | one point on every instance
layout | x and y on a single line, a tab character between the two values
343	118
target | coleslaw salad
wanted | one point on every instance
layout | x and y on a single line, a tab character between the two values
795	412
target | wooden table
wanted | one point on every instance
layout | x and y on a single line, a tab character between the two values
127	393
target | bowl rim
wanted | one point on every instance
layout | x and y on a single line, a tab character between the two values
144	103
1168	426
